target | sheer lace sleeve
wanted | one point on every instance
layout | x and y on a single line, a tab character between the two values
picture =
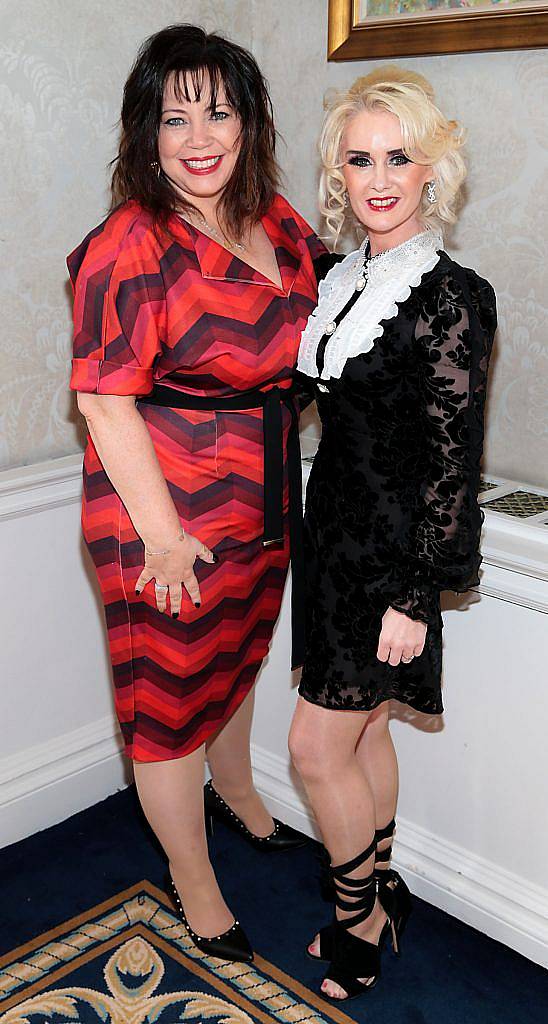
454	335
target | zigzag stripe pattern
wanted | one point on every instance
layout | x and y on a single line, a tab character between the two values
180	308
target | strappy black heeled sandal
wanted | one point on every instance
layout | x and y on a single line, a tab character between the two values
394	895
393	892
230	945
355	958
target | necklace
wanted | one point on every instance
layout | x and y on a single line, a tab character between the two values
215	232
362	263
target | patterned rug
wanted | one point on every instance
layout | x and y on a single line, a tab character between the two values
122	955
129	960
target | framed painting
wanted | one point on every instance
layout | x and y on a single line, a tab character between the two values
360	29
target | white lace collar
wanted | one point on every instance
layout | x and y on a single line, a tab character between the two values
391	276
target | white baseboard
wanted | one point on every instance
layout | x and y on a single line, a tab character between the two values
47	783
50	782
26	490
482	894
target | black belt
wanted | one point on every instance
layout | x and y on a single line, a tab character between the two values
273	529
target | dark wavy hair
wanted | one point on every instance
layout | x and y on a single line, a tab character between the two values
197	59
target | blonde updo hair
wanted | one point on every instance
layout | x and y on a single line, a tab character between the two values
427	138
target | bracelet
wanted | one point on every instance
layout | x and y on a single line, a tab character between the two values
166	551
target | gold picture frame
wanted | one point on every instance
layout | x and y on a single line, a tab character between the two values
392	32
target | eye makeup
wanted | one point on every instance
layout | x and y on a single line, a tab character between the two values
359	158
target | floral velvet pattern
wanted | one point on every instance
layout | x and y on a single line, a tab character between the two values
392	516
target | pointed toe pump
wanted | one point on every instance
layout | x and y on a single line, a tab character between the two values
230	945
283	837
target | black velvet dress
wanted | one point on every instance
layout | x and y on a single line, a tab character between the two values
392	516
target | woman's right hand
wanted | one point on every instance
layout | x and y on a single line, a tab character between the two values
174	570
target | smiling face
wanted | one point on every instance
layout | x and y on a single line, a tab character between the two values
384	186
198	145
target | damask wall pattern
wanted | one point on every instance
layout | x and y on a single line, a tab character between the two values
502	99
62	67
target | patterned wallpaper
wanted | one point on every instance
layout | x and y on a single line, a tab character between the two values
62	66
502	99
62	69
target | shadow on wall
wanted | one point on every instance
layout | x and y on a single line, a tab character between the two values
74	416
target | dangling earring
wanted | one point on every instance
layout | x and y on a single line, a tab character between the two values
156	167
345	198
431	192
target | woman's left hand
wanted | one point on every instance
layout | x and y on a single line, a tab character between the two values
401	639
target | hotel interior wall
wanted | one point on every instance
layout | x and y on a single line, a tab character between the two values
471	829
502	233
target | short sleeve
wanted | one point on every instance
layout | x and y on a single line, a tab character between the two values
454	335
119	310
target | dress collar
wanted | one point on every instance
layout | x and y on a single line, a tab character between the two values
407	255
220	264
390	277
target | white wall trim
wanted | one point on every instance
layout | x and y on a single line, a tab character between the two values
515	566
515	587
46	485
484	895
47	783
517	545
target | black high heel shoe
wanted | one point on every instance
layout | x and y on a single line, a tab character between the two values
283	837
394	895
354	958
230	945
392	888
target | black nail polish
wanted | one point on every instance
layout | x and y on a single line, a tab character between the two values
137	591
197	604
175	615
215	558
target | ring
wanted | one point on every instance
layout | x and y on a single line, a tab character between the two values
161	586
407	660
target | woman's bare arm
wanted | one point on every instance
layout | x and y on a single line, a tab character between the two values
125	448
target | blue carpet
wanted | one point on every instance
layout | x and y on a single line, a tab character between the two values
447	970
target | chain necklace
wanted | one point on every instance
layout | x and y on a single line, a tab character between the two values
218	235
363	263
364	259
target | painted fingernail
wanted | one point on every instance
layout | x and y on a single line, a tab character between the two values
215	558
137	591
197	604
175	615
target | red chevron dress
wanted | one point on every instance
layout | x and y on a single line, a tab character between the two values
184	311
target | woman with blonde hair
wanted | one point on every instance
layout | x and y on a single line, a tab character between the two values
398	349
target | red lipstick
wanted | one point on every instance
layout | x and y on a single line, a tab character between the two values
201	171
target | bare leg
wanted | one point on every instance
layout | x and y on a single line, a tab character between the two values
171	794
229	758
323	746
377	759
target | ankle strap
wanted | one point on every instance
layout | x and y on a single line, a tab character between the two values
340	870
383	856
360	904
385	833
355	896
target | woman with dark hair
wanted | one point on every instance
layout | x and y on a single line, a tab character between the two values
189	303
